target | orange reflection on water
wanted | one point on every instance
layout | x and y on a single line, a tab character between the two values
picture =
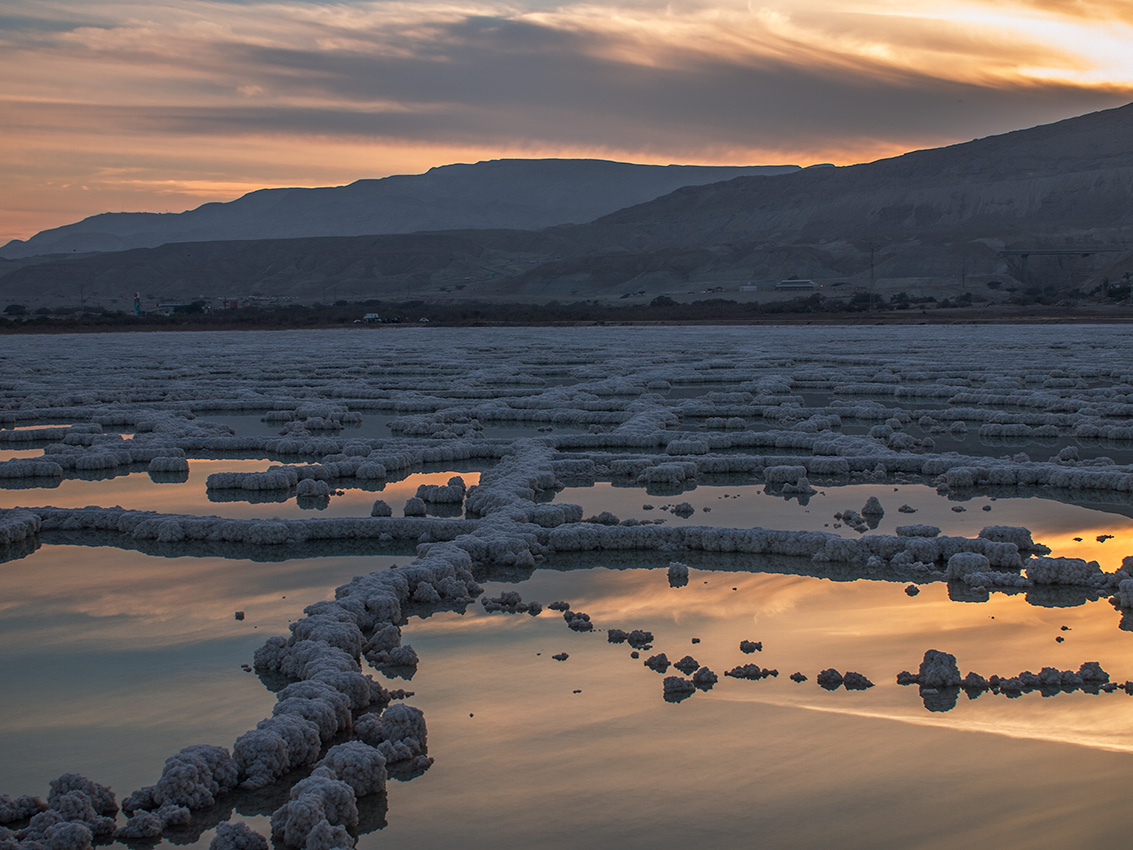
590	740
153	647
1052	523
139	492
808	624
1115	545
113	596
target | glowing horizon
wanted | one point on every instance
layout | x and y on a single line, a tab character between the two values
164	106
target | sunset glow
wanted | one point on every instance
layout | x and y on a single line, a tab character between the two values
161	106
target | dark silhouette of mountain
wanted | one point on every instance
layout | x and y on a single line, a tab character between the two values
527	194
942	220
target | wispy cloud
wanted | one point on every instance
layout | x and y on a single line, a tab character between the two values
230	94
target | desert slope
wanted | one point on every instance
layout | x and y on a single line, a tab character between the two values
937	222
1071	179
509	193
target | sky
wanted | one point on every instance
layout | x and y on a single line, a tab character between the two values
160	106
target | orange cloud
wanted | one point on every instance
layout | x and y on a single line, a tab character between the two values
160	107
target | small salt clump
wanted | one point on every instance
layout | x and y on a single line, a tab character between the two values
873	508
237	835
677	689
938	670
687	665
678	574
830	679
704	678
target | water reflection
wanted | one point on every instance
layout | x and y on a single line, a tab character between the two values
1070	530
180	494
153	647
591	739
112	660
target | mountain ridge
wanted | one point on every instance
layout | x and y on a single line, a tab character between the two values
491	194
932	222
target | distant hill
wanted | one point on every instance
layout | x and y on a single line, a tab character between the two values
932	215
1070	179
951	221
526	194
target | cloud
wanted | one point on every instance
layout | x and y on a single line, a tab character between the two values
1089	10
682	81
631	82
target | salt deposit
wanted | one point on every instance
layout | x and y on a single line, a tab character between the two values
677	689
687	665
750	420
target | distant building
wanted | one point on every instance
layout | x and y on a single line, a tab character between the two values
797	285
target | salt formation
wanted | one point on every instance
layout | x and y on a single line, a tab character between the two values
677	689
640	638
938	670
687	665
750	671
939	678
451	493
510	602
77	813
237	836
678	574
740	410
830	679
14	809
704	679
853	681
577	621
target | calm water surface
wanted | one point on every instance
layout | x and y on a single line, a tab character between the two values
112	660
139	656
137	491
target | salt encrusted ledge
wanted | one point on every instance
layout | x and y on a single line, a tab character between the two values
995	558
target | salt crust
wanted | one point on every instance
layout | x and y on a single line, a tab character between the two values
939	673
638	435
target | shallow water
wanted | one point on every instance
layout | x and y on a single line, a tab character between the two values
770	758
1052	523
636	770
111	659
14	454
138	492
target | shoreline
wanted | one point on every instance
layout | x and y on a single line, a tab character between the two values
14	328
